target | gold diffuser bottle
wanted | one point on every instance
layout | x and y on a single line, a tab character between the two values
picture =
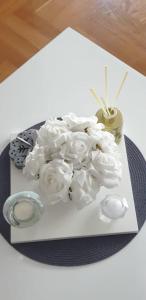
110	116
113	122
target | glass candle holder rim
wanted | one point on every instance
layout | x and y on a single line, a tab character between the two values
24	196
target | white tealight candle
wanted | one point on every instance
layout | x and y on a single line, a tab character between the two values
23	210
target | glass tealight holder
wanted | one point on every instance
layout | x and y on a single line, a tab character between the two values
23	209
112	207
113	122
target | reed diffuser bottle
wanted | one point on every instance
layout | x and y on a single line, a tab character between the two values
110	116
113	122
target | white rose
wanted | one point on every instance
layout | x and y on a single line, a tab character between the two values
34	160
105	140
95	127
53	151
77	148
107	143
75	123
55	180
50	131
108	167
59	122
84	187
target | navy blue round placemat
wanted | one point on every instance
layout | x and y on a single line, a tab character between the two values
79	251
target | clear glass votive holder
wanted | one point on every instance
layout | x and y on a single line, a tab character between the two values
112	207
23	209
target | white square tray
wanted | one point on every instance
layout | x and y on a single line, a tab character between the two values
65	221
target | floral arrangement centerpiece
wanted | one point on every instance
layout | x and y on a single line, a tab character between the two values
72	159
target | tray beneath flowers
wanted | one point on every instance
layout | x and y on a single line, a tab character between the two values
73	180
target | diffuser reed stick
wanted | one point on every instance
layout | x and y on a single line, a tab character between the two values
121	86
106	83
99	100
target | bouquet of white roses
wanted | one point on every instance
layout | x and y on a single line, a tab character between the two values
72	158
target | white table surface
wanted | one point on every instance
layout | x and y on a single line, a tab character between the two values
56	81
